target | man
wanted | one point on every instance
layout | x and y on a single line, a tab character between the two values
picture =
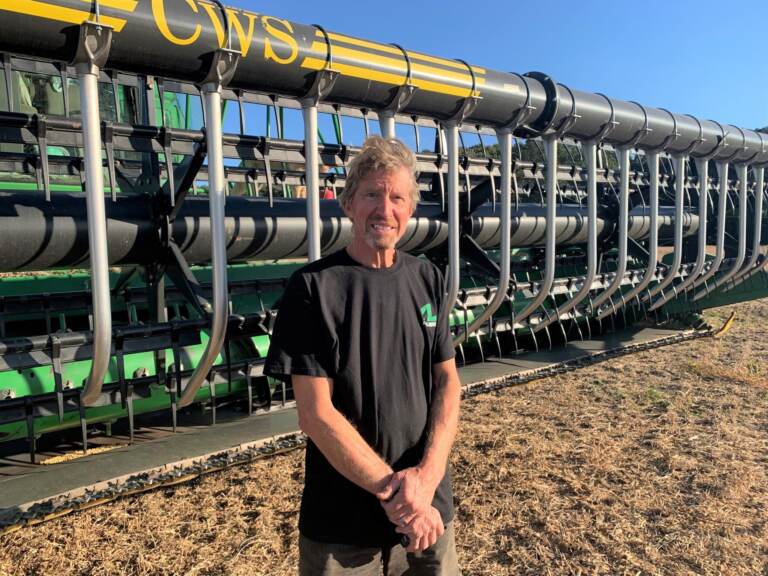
363	335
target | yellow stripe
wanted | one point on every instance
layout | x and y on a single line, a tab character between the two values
430	86
127	5
400	65
57	13
362	43
356	71
444	62
393	50
368	74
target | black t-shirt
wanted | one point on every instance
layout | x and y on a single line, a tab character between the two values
376	332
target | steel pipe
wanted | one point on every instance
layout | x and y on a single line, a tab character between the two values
505	143
759	191
702	169
742	240
653	239
454	230
211	93
312	176
590	149
621	266
548	276
757	230
722	199
91	35
677	258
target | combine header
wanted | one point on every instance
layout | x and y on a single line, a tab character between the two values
166	164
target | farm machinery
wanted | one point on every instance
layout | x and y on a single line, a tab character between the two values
166	164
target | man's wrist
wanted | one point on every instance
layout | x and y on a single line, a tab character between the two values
431	474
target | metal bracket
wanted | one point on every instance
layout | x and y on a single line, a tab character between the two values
404	93
469	103
221	68
324	79
43	173
521	115
92	47
609	126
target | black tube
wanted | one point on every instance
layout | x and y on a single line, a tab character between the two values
40	235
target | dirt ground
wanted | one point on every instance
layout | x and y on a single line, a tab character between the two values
649	464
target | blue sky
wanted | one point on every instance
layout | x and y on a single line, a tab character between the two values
705	58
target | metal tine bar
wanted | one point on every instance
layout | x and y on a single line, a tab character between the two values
621	267
742	246
93	48
722	169
387	123
8	72
454	230
653	240
759	187
702	169
677	261
222	69
550	144
505	142
757	226
573	302
312	175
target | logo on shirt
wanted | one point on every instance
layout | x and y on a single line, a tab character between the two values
429	318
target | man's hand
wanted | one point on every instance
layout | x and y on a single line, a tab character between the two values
408	494
423	530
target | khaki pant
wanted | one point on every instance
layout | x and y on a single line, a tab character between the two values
321	559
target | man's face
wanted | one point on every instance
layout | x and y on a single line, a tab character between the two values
380	209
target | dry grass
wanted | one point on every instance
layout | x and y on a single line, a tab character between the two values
649	464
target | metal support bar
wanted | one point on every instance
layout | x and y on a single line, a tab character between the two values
759	191
550	144
92	52
222	69
742	246
757	229
677	259
312	172
505	143
623	230
591	157
722	169
702	169
454	229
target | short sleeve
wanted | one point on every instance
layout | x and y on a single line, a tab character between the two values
297	343
443	347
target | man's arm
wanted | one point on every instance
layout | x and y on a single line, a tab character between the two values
336	438
415	487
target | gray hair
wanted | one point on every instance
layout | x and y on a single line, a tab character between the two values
379	154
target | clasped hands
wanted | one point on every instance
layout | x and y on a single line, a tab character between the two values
407	500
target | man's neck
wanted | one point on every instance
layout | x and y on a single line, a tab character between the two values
373	258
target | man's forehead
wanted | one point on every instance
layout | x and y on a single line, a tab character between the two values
381	179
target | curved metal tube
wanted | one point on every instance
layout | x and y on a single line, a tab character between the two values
505	143
216	197
623	230
722	168
742	247
97	234
759	190
653	239
590	149
702	169
758	224
312	177
677	259
550	145
452	145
